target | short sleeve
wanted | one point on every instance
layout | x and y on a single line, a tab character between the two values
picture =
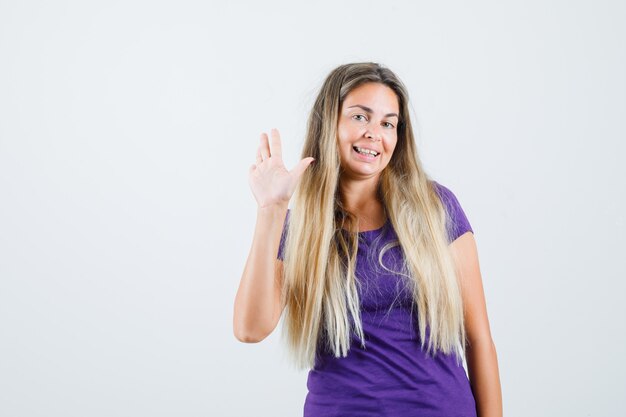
283	236
458	224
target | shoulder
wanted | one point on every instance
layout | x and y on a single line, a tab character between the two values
457	222
446	195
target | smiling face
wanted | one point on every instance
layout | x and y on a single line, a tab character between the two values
367	130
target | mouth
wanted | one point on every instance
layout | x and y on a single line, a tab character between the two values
366	152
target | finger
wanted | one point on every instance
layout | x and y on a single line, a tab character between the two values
299	169
259	157
276	146
264	147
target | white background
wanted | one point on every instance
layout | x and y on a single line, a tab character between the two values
126	133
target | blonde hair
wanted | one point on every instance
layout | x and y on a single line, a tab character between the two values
319	284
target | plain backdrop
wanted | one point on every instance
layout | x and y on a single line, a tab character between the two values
126	132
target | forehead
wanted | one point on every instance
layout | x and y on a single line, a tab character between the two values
376	96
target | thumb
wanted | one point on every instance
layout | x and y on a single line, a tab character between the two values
298	170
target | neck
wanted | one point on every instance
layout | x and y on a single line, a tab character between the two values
360	198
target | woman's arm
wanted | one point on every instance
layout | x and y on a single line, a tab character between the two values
257	305
482	361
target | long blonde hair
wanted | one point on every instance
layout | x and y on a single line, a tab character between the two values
319	284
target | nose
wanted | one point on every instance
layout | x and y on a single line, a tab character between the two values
373	134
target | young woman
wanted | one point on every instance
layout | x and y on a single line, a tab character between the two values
375	266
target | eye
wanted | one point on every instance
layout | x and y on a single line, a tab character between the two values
388	125
359	117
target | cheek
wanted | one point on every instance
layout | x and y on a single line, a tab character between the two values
342	143
346	138
343	136
391	145
343	146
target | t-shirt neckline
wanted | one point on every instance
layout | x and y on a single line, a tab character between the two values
373	231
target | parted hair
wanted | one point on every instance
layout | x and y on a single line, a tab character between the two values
319	259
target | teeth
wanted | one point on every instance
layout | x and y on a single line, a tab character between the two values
365	151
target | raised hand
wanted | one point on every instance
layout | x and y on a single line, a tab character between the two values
269	179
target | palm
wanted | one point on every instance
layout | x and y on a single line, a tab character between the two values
269	179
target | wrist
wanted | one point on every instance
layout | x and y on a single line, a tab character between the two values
275	209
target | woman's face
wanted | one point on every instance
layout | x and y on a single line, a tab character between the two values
367	122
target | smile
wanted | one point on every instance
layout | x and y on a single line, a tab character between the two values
363	151
366	156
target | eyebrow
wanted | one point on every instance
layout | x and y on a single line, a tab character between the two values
367	109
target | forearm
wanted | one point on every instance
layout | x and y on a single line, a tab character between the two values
255	306
484	376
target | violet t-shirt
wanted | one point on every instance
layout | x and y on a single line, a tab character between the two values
391	376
